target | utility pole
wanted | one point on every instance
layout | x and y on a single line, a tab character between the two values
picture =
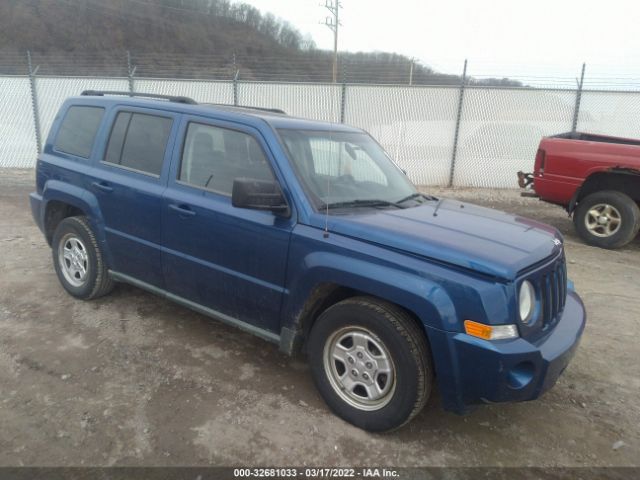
333	22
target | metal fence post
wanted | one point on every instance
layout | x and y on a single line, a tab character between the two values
457	130
131	71
576	110
34	101
343	93
343	100
411	72
235	88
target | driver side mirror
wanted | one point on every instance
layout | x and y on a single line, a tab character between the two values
259	195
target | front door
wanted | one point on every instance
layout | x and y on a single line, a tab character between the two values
228	259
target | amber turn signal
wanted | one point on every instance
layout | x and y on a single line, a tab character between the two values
490	332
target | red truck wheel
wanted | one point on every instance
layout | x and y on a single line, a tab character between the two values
607	219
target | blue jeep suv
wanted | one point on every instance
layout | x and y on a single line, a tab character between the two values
306	234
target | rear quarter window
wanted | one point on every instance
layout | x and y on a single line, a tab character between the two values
78	130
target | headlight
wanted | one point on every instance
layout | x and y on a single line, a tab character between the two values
527	301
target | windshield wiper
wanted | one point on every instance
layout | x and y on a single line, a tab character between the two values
416	195
362	203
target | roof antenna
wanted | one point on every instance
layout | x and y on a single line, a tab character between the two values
326	203
326	211
331	151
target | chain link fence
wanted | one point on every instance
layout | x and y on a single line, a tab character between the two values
199	90
441	135
500	130
18	145
316	101
610	113
416	125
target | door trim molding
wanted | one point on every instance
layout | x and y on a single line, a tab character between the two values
242	325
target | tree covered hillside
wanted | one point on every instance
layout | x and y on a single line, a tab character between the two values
184	39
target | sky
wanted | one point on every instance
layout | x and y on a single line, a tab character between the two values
536	38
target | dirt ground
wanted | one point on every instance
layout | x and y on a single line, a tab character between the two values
132	379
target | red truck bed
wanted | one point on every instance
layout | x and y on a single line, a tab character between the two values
565	161
589	173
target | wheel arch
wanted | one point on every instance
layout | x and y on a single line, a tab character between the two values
55	212
624	180
62	200
328	286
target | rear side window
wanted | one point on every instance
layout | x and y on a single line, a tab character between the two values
78	130
138	141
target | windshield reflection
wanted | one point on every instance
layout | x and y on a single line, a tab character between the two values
347	170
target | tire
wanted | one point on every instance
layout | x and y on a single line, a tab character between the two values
607	219
376	330
74	248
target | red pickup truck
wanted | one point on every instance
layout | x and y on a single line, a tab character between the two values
596	178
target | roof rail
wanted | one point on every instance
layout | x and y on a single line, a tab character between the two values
171	98
264	109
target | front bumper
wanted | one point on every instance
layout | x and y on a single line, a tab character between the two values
476	371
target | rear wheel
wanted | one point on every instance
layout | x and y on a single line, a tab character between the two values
78	260
371	363
607	219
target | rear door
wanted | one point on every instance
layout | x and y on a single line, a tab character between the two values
228	259
129	183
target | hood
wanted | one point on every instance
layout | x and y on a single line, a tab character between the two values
477	238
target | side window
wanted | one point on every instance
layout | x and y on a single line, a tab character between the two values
138	141
78	130
214	157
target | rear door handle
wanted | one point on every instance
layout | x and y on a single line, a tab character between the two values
103	186
183	210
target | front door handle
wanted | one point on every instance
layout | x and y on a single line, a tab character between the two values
103	186
183	210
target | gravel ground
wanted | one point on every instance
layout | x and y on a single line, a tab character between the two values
132	379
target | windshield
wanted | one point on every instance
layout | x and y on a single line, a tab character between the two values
343	170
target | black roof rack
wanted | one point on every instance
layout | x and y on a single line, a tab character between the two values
263	109
171	98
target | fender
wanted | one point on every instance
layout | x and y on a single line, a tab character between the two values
574	200
324	269
573	203
595	171
418	294
81	199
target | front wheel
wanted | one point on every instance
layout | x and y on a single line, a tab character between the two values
607	219
371	363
